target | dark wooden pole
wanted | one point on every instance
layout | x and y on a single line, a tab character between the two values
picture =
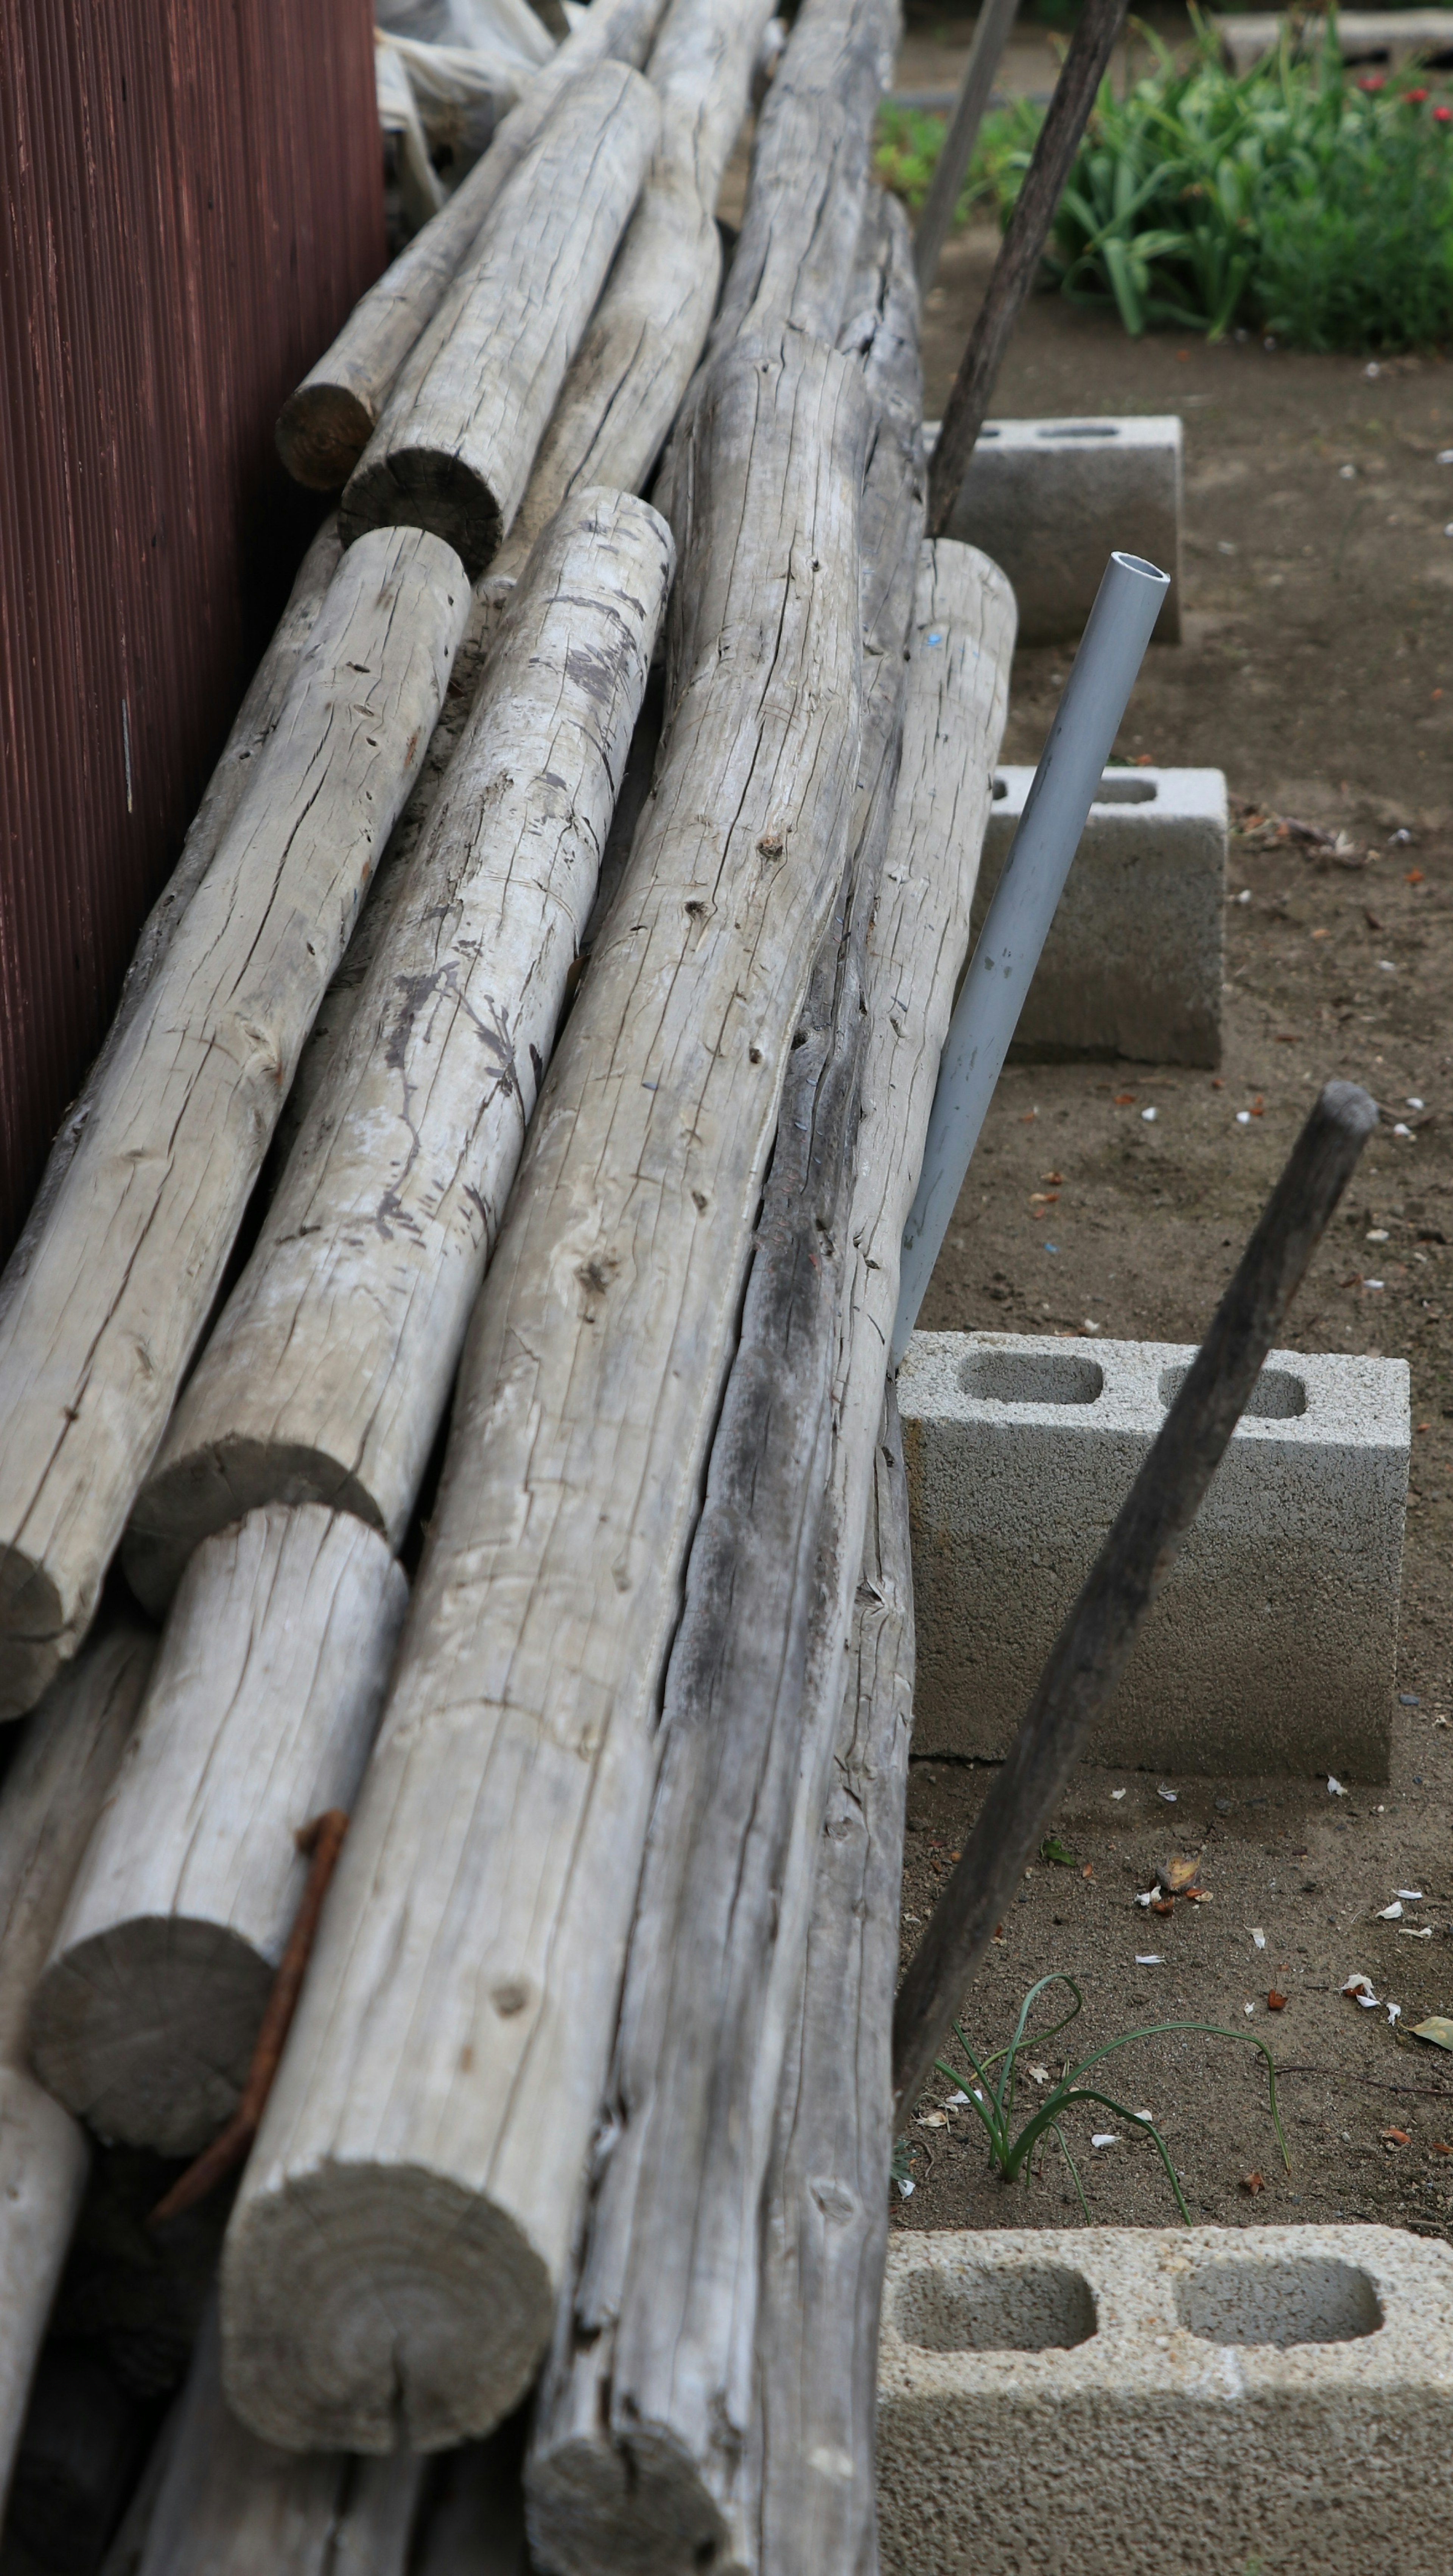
1089	1653
1020	252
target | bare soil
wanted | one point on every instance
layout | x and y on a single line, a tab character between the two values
1319	582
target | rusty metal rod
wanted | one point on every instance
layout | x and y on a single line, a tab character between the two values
1090	1651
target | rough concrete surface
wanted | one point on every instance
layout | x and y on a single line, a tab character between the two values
1273	1646
1135	957
1051	500
1166	2402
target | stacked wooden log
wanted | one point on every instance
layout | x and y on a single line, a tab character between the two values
538	1245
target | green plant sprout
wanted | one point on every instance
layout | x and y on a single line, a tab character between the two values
994	2103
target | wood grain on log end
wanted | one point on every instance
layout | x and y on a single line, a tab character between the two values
260	1713
417	2312
639	2510
190	1497
322	431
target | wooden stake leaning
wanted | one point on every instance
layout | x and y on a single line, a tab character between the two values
253	728
402	2231
458	436
628	376
96	1339
951	169
230	2505
325	426
825	2208
1090	1651
1021	251
329	1370
59	1776
642	2427
261	1712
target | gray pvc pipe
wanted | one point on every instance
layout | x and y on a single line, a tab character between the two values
1055	813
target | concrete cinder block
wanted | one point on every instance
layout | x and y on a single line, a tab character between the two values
1051	500
1396	37
1204	2401
1135	959
1273	1646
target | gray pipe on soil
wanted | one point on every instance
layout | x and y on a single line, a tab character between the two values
1002	969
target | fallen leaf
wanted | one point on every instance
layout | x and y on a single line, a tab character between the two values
1056	1179
1440	2149
1089	1870
1252	2182
1199	1896
1276	2002
1179	1871
1395	2137
1437	2028
1054	1850
1162	1905
1123	1099
1039	2074
1258	1107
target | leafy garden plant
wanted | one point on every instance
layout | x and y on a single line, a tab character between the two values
1315	205
1011	2149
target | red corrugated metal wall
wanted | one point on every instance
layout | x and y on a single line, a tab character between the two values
192	201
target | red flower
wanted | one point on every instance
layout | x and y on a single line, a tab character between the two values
1443	116
1373	80
1414	97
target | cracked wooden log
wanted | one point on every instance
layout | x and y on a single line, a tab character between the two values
227	2504
824	2228
261	1712
255	723
809	178
97	1337
459	433
326	424
640	2444
631	370
327	1375
402	2231
61	1771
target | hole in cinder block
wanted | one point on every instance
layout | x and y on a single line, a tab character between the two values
1010	2307
1301	2298
1118	789
1279	1395
1001	788
1031	1377
1079	429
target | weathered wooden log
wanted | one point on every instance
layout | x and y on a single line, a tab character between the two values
326	424
329	1371
261	1713
97	1337
229	2505
84	2440
458	436
400	2237
472	2522
825	2207
810	163
53	1790
632	368
256	721
641	2435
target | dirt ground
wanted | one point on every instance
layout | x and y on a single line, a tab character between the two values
1319	583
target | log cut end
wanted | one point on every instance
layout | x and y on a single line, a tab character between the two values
147	2031
36	1635
196	1490
639	2508
374	2306
430	488
322	431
